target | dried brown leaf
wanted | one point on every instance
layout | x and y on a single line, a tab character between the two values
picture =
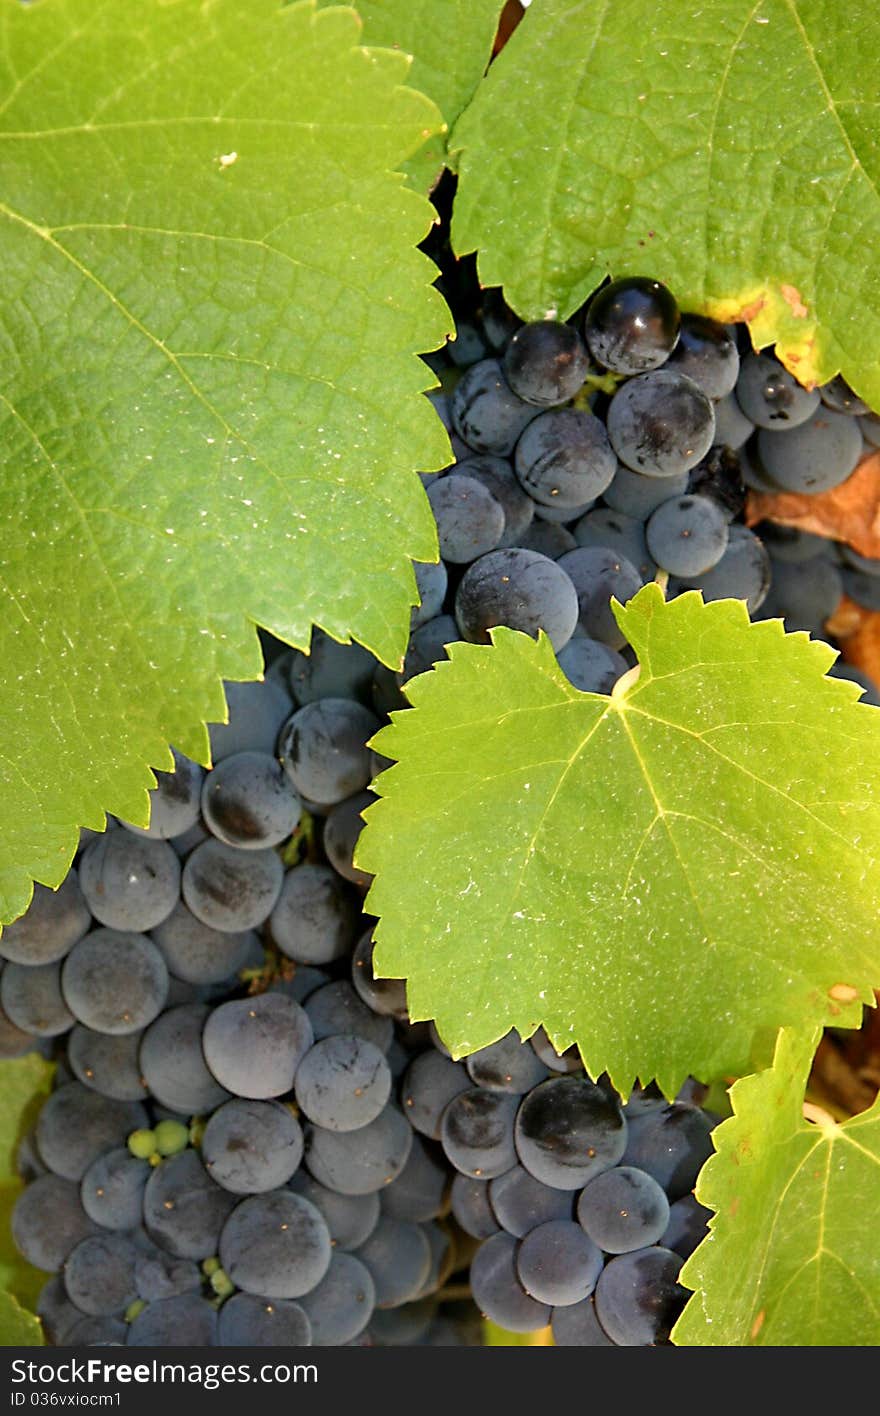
850	512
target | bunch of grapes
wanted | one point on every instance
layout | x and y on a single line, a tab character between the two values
249	1141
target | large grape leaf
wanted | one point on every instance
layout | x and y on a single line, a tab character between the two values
210	306
729	149
451	45
791	1260
24	1085
654	875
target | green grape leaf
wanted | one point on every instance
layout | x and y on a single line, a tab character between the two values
791	1260
653	876
211	305
25	1085
18	1328
451	44
729	150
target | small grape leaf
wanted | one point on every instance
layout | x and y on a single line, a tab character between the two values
451	45
211	305
18	1328
728	149
655	875
791	1259
25	1085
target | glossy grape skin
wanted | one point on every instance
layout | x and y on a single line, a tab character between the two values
498	477
363	1161
33	1000
557	1263
661	424
174	801
815	456
343	1083
429	1084
49	927
486	413
184	1211
638	1297
198	954
497	1290
48	1221
315	918
687	536
77	1125
546	362
432	580
770	396
183	1321
564	458
129	882
253	1046
350	1219
597	574
476	1132
615	531
337	1008
521	589
707	353
472	1208
245	1320
99	1275
173	1063
470	522
275	1245
569	1129
256	712
323	749
623	1209
632	325
112	1189
743	573
229	889
398	1258
520	1202
590	666
249	802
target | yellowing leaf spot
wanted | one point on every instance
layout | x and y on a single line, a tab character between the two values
843	993
792	297
757	1324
